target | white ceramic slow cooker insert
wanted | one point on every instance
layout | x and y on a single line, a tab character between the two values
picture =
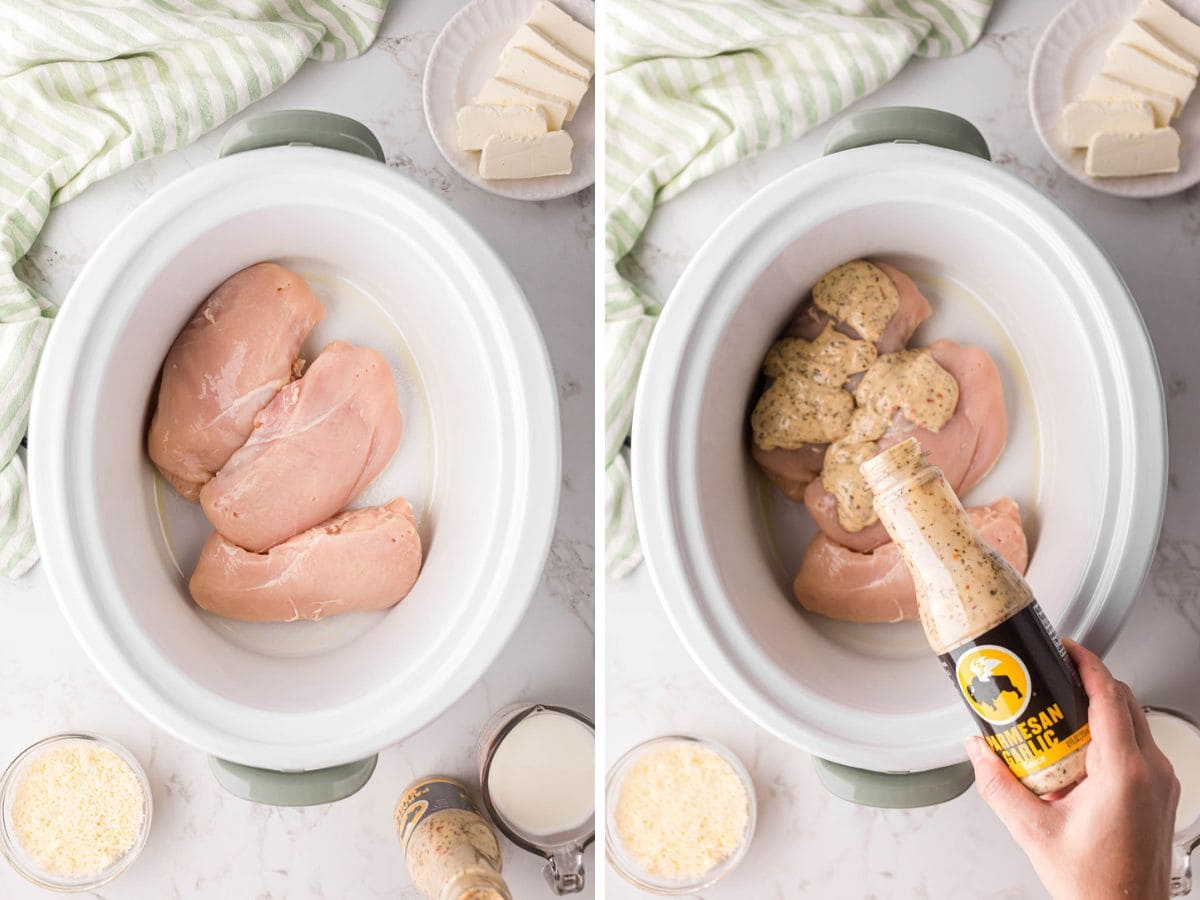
1005	268
482	467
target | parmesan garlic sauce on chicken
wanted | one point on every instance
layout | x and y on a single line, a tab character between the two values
842	384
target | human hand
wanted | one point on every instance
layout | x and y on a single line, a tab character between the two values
1110	835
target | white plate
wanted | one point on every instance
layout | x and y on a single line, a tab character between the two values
465	55
1069	55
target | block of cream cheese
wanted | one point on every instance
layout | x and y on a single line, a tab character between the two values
501	92
1135	34
562	29
1102	87
1085	118
1118	155
535	157
1142	70
538	44
478	123
1181	32
522	67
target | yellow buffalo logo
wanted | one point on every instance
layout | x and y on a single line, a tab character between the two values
995	682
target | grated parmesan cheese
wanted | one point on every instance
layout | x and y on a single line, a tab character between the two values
682	811
78	809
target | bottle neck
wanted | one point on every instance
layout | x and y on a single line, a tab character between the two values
476	884
900	466
964	587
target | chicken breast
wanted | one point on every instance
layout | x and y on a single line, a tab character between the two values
313	449
912	311
791	470
965	448
238	350
875	586
364	559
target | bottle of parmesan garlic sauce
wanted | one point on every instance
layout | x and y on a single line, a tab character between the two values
451	850
982	620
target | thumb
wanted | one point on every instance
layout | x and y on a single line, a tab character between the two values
1015	805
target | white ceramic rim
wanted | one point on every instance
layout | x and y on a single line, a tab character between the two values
522	548
736	252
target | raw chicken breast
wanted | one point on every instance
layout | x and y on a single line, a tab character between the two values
791	470
238	350
363	559
313	449
965	449
876	587
912	311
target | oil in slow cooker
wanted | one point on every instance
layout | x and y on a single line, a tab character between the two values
981	618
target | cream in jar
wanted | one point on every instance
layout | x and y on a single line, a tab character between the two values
537	769
1179	740
541	779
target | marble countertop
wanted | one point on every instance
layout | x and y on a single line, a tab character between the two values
808	843
205	843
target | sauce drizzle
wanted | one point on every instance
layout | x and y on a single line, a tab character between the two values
909	382
860	294
806	403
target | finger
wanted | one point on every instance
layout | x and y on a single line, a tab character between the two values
1021	811
1108	709
1060	794
1141	727
1145	737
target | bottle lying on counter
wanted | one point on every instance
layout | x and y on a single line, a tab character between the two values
982	620
451	850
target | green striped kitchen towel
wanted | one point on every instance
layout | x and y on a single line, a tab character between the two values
89	87
693	86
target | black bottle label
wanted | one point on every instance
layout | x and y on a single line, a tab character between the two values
1023	691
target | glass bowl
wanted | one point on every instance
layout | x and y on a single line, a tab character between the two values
624	862
11	847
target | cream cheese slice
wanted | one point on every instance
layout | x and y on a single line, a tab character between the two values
532	40
1135	34
534	157
1167	23
1128	155
1104	87
502	92
521	67
1143	70
478	123
562	29
1085	118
